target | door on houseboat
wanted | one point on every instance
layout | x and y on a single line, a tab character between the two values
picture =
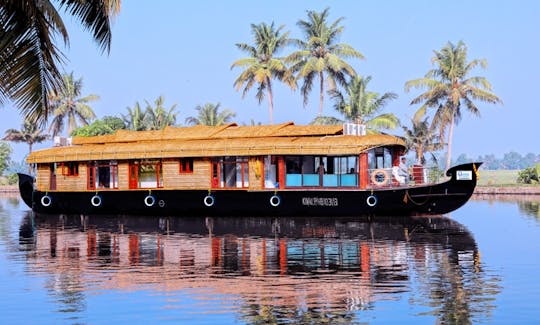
91	171
133	175
215	174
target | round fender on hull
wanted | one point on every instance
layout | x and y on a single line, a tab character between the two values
46	200
209	200
371	200
149	200
275	200
96	200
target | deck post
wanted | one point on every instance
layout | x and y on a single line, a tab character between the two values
363	172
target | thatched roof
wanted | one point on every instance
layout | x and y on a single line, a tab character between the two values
207	141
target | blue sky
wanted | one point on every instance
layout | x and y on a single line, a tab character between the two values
183	50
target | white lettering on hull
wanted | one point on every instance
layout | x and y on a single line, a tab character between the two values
320	201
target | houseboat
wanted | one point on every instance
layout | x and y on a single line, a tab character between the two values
275	170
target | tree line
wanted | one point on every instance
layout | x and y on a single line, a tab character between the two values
316	61
510	161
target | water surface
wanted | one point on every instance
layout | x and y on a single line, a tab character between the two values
477	265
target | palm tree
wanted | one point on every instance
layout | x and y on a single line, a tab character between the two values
209	115
261	67
157	117
136	118
321	56
68	104
422	138
29	55
360	106
29	134
449	89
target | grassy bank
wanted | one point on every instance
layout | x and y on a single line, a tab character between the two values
498	178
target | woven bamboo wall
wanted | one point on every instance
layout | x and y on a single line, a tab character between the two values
43	177
199	179
72	183
123	175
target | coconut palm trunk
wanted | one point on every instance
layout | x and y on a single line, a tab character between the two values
270	101
321	94
450	135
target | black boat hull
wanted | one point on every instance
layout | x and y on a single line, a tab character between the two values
395	201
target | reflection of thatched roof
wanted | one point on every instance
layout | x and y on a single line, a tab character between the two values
208	141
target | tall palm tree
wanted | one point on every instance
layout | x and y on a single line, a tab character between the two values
29	55
209	114
361	106
135	119
29	134
449	89
261	67
422	138
320	56
157	117
68	104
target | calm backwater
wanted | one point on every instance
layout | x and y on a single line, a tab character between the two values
480	264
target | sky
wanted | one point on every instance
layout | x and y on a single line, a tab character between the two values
183	50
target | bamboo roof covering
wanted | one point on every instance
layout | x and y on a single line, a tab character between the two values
206	141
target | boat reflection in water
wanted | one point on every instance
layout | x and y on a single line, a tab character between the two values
295	269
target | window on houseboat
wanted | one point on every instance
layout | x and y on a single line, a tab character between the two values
186	165
69	168
317	171
103	174
231	172
380	158
149	174
270	172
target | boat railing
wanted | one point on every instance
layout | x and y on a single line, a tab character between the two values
418	175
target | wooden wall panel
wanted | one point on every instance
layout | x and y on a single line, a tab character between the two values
123	175
72	183
43	177
199	179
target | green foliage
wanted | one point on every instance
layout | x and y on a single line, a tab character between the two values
29	134
30	50
12	179
106	125
114	122
152	118
96	128
5	152
320	56
68	105
262	65
209	114
449	89
358	105
158	117
529	175
422	138
509	161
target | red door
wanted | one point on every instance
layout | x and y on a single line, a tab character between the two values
91	177
133	175
215	174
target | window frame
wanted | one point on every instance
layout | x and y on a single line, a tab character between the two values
70	169
185	166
